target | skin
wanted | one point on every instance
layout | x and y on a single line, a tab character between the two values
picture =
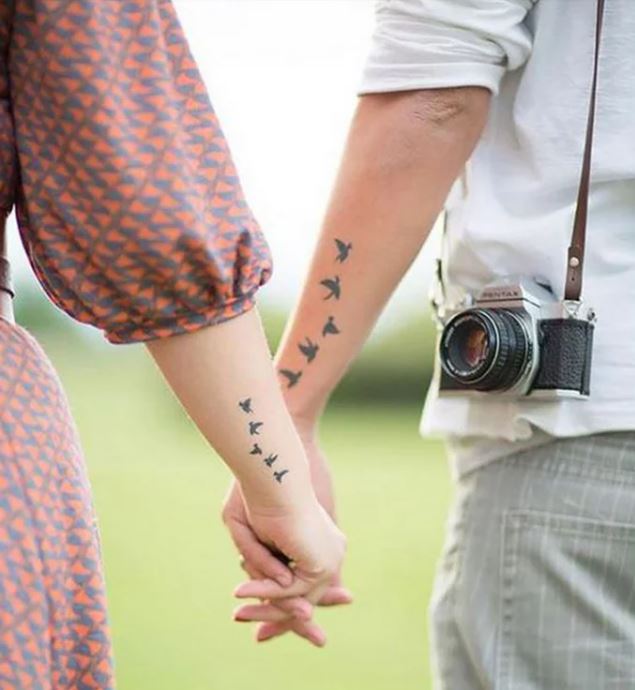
213	371
259	565
404	152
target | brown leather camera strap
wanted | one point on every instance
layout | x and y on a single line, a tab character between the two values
5	269
575	258
6	286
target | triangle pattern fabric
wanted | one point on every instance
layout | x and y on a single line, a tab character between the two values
53	624
128	200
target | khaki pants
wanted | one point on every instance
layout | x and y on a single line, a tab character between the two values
536	586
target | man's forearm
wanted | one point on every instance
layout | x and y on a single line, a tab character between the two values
403	154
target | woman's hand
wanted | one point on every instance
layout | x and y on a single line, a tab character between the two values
315	547
286	615
292	613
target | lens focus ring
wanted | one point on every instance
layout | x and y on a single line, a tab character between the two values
514	349
485	349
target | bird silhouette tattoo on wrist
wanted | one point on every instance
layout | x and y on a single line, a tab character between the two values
254	428
256	450
245	406
270	459
278	476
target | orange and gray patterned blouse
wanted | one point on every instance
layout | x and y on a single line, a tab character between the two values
127	198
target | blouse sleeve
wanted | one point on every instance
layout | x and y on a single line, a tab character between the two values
7	143
129	203
424	44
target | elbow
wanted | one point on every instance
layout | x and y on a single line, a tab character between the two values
443	108
400	128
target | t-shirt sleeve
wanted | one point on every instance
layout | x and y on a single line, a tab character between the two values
130	206
423	44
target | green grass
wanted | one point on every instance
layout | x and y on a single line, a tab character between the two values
170	566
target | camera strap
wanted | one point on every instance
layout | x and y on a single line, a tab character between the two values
575	258
6	286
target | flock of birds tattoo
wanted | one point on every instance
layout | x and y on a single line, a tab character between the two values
308	347
254	430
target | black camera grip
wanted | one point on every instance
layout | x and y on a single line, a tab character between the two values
565	355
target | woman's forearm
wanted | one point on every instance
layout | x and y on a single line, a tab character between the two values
223	376
403	154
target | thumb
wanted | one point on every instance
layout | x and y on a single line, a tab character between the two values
336	596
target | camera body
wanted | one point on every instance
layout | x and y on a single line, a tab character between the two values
516	339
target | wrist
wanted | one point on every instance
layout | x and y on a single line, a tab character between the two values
306	414
267	497
307	429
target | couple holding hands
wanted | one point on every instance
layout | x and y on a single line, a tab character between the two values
133	219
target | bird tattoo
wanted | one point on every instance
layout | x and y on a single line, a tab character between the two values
254	428
245	406
309	349
344	249
256	450
334	286
269	460
330	328
292	376
278	476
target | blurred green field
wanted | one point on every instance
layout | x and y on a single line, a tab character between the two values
170	566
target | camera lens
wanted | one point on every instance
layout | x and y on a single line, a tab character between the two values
485	349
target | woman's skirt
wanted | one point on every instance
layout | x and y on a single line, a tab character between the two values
53	625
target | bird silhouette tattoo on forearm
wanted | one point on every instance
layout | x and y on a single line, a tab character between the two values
334	287
309	348
330	328
343	250
256	450
293	377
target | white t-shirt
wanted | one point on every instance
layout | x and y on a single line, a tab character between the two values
513	213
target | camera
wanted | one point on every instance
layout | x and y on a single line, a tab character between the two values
516	339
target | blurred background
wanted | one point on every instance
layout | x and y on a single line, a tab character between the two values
282	75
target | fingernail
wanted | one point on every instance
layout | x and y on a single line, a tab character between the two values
319	640
240	590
